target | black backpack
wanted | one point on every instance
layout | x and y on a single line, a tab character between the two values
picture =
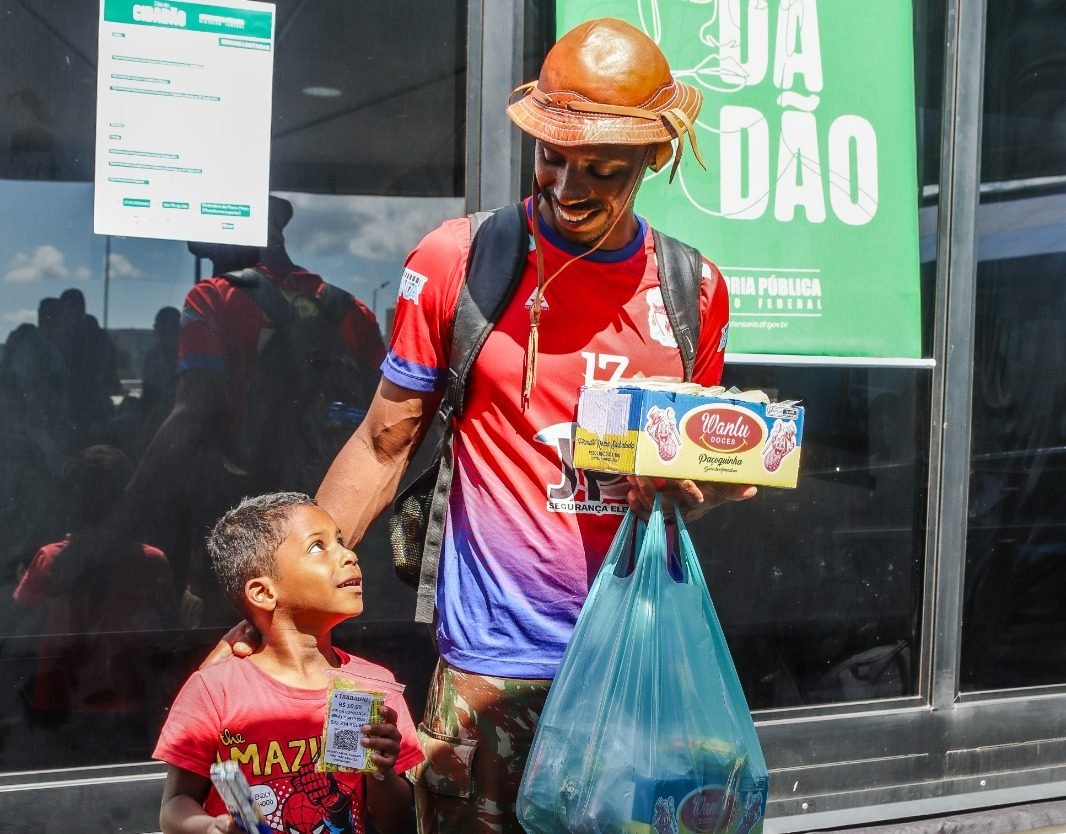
499	244
306	393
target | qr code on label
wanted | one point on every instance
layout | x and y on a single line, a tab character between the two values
346	740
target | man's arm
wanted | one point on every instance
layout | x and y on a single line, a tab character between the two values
182	810
192	429
363	478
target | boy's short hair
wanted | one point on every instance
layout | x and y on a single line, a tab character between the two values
243	543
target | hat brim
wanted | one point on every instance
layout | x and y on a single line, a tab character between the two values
559	126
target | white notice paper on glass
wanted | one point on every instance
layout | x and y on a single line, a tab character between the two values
183	120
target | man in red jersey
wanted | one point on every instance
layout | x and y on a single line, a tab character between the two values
527	531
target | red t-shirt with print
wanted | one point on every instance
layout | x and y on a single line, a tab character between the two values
233	710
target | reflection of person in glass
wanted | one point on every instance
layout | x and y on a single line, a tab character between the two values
32	380
81	594
60	376
92	376
245	397
159	377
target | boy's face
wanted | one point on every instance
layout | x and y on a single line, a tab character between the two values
316	574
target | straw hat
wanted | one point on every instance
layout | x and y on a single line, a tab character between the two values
607	83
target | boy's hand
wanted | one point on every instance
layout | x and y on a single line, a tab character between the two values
383	740
695	498
224	824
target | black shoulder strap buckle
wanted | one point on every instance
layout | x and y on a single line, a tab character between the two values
334	303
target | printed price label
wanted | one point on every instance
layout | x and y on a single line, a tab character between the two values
348	712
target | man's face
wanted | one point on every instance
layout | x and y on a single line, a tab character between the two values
585	190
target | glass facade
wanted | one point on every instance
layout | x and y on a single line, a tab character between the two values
96	630
828	603
1014	621
888	662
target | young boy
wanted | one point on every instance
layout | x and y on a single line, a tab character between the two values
280	558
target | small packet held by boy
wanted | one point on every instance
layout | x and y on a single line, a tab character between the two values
350	704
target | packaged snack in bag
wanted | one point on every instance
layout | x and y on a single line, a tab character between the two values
350	703
646	729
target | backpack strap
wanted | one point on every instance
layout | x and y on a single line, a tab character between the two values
499	244
680	274
332	300
334	303
262	290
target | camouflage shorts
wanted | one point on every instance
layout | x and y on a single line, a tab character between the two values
476	735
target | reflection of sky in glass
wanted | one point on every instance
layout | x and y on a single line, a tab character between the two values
47	245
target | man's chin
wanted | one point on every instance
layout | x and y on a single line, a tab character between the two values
587	237
585	233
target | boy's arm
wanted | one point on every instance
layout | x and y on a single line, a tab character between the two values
389	799
389	802
182	810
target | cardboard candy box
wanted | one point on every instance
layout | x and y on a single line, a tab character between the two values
682	430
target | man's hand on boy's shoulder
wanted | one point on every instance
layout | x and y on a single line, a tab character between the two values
240	641
383	740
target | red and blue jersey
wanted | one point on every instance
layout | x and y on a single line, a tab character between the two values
526	531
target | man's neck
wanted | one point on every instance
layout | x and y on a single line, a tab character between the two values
276	257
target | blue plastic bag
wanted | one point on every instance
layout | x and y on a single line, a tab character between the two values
646	729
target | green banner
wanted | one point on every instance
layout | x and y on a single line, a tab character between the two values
809	205
192	17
